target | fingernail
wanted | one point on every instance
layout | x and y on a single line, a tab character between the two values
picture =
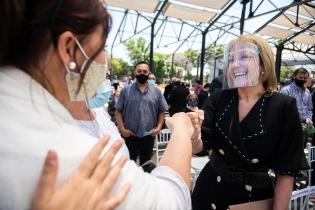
51	157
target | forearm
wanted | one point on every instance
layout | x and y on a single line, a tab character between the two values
178	154
160	122
282	192
162	183
119	120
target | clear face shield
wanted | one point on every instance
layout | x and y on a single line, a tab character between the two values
242	65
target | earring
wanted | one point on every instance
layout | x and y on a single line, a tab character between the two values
72	65
262	72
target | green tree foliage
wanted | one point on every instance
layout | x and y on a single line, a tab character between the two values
120	68
161	67
193	56
137	50
286	72
214	52
182	66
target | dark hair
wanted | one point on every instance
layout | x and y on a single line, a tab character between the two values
115	85
28	27
177	83
207	85
143	62
300	70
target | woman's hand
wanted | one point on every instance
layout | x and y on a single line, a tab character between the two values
197	119
180	122
186	122
87	188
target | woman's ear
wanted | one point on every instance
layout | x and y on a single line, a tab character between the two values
66	47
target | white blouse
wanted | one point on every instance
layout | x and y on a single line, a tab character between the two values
32	122
102	125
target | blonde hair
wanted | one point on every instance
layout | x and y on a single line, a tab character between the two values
191	96
267	74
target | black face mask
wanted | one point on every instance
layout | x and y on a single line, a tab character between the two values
299	82
142	78
192	104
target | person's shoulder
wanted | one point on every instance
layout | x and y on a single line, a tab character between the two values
308	91
224	92
286	88
280	97
128	87
280	103
221	96
155	89
180	88
168	86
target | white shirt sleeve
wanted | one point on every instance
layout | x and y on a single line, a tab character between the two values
162	189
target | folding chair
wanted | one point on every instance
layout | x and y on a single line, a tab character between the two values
300	198
161	141
311	161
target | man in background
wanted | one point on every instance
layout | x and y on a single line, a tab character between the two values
140	114
302	94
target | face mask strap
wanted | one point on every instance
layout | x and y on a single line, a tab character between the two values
83	52
81	48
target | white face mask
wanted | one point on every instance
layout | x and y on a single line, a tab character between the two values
93	78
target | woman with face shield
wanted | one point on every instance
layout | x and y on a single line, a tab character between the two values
51	54
252	132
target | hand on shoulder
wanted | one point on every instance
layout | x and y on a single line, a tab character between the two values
87	188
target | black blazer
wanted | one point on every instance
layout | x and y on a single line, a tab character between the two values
270	135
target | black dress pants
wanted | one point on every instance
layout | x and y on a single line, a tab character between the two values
140	146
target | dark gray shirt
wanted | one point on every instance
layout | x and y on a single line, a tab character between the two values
140	111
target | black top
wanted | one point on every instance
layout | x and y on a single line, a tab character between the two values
271	131
269	136
202	97
167	90
177	99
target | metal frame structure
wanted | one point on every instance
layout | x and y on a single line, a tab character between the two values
157	23
280	46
